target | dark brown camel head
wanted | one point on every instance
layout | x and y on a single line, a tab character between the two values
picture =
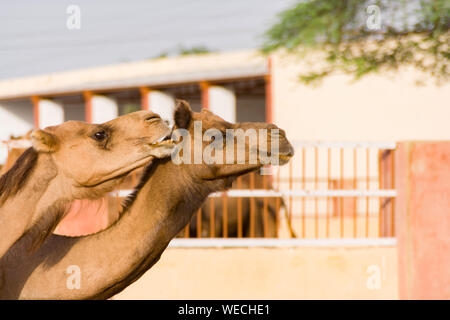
214	149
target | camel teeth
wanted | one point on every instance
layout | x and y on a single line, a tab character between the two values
162	141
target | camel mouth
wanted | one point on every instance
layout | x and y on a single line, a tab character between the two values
163	141
284	158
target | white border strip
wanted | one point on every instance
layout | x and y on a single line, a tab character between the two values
386	145
277	243
243	193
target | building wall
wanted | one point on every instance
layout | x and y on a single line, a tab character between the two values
423	219
377	107
385	107
270	273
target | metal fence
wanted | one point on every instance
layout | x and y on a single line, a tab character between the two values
328	190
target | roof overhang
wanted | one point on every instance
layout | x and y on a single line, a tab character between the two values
153	74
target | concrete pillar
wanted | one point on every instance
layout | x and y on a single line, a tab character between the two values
423	219
144	98
268	80
103	109
162	103
51	113
222	101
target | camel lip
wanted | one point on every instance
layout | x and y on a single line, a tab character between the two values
164	140
284	157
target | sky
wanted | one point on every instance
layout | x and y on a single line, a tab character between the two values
35	38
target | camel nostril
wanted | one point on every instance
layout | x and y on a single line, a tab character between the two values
290	152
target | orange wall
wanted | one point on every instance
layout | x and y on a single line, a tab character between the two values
423	219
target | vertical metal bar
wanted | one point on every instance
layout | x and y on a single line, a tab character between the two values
328	187
252	206
380	186
186	230
341	211
239	208
355	186
316	185
367	187
225	215
277	215
265	214
199	223
392	187
303	188
291	180
212	218
278	204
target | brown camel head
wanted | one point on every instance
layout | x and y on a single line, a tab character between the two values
224	149
95	156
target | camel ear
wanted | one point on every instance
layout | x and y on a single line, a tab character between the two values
44	141
183	115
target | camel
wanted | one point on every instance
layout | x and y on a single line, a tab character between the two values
233	229
70	163
263	222
246	228
80	222
161	205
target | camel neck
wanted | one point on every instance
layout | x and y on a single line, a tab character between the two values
18	211
117	256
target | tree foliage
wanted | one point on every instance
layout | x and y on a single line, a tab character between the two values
414	32
181	50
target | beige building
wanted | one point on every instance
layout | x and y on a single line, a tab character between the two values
378	107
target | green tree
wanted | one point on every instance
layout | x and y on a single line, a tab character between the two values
181	50
358	37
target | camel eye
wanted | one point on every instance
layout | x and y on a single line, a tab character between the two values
153	118
100	135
